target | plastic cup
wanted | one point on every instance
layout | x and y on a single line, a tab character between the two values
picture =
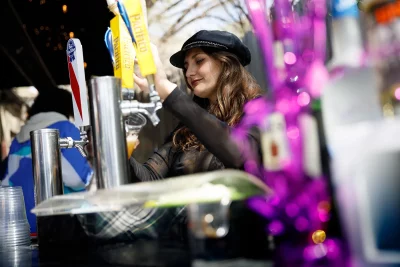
133	124
208	225
14	226
12	208
16	257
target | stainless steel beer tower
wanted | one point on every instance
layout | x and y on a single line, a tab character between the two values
109	142
107	112
46	160
110	159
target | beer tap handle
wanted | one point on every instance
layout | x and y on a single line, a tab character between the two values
134	16
76	71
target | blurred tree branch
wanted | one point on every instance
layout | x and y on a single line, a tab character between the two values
218	18
173	5
240	7
235	14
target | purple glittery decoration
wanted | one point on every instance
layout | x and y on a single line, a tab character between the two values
297	203
276	227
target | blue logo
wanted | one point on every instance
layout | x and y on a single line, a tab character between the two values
344	8
71	50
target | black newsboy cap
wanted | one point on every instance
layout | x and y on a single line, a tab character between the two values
221	40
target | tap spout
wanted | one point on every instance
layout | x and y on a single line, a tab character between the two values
68	142
148	109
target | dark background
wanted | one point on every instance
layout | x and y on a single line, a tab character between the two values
34	36
35	32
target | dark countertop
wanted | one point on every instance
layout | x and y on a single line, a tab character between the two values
33	257
63	242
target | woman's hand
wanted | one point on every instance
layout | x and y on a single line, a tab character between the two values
163	86
140	81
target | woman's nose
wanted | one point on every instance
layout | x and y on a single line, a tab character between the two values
191	71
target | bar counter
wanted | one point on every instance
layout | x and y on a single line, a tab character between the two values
63	242
117	256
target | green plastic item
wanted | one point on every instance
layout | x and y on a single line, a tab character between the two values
173	192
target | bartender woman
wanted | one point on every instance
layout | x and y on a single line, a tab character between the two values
213	66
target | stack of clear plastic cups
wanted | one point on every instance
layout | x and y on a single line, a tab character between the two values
17	257
14	226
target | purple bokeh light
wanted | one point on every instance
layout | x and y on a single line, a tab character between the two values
276	227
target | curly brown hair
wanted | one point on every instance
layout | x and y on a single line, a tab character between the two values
235	87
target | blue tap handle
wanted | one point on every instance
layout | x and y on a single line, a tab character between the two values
125	18
109	44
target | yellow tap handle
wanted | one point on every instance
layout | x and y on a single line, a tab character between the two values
144	53
124	53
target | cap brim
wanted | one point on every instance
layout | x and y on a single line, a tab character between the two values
177	59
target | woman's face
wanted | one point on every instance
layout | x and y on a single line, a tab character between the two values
202	73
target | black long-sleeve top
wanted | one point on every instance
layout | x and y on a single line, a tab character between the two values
221	150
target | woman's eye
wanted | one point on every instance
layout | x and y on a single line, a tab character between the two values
198	61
